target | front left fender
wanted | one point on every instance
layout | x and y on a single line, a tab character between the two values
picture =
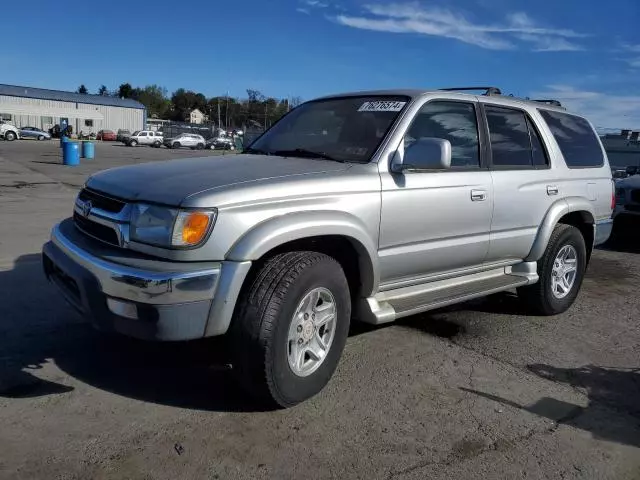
277	231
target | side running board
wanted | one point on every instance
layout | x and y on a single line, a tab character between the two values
393	304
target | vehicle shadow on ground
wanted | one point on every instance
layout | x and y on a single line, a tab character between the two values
613	412
38	327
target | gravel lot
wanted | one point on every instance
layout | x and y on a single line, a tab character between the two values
475	391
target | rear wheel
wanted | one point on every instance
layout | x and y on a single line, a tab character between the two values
561	270
212	147
291	327
200	146
157	144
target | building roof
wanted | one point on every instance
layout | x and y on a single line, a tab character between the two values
61	96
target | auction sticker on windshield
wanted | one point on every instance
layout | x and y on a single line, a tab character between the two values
381	106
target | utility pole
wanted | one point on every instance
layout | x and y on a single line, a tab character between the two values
226	112
219	122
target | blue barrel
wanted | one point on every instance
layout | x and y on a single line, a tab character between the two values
63	140
71	154
88	150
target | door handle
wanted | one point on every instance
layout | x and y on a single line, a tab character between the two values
552	190
478	195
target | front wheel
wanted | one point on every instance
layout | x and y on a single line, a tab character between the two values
10	136
212	147
133	143
175	145
561	270
41	137
291	327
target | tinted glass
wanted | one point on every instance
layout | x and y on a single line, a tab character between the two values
509	136
453	121
539	155
345	128
577	140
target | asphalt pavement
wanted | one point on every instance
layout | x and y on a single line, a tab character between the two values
479	390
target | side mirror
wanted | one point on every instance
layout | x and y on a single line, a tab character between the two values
425	154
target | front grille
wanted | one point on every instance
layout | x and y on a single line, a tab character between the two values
96	230
635	195
101	201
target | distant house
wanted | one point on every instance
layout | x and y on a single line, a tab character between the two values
196	116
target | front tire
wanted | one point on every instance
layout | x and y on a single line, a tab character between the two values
175	145
10	136
133	143
291	327
41	137
561	271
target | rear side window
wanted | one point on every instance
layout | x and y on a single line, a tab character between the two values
577	140
540	158
509	136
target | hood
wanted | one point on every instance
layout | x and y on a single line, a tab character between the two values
629	182
170	182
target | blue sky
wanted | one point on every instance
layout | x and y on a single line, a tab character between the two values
582	52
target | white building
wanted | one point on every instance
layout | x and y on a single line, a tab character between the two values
196	116
41	108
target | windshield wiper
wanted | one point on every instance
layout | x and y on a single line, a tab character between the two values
256	151
304	153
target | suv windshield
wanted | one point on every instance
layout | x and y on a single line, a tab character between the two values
346	129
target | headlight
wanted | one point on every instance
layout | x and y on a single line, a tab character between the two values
169	227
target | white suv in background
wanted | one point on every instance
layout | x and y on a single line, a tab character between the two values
190	140
8	131
144	137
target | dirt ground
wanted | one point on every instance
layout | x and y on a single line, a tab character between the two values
480	390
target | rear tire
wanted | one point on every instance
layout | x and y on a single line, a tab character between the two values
553	295
157	144
200	146
281	355
212	147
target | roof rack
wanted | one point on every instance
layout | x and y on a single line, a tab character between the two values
555	103
488	91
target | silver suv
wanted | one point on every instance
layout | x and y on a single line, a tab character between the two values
370	206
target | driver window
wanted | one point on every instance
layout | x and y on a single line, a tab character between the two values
453	121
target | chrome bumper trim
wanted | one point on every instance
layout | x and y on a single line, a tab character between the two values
143	286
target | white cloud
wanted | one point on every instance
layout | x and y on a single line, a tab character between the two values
433	21
303	10
316	3
633	61
605	111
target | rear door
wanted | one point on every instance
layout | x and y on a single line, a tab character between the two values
524	185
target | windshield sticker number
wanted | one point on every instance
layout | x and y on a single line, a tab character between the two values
381	106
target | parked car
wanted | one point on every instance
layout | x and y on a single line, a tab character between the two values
122	135
375	206
144	137
190	140
107	135
8	131
628	199
33	132
220	143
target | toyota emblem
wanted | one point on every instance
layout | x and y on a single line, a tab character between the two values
86	208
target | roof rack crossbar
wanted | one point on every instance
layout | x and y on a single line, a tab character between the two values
555	103
487	90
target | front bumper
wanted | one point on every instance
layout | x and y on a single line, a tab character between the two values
140	296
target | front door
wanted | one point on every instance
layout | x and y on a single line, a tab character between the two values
437	221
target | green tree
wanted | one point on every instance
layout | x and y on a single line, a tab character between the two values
82	89
183	101
103	90
154	97
125	90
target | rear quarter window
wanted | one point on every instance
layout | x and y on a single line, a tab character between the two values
577	141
